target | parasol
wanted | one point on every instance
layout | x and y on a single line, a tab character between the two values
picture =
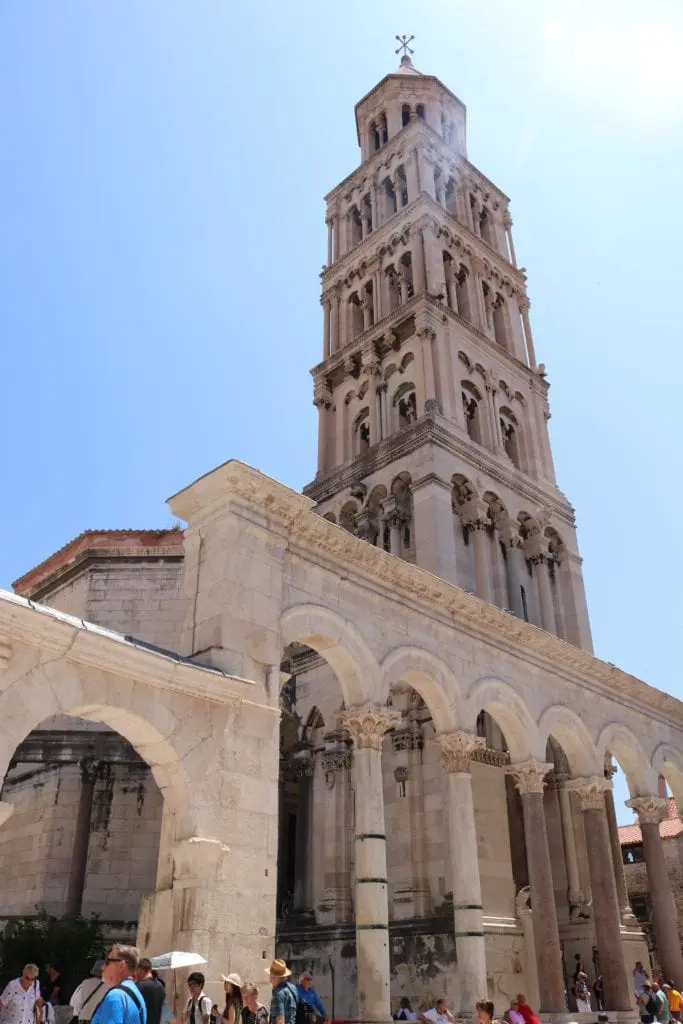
172	961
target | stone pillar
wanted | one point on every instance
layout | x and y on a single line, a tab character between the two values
79	855
418	255
433	522
373	206
334	323
395	534
574	895
617	983
367	725
327	348
545	593
525	915
322	400
411	176
428	336
328	221
456	751
651	810
514	563
475	516
530	779
507	224
524	311
625	912
371	367
302	765
336	765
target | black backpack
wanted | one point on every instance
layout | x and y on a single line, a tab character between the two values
304	1013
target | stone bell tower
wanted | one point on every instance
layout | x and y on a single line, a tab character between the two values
433	439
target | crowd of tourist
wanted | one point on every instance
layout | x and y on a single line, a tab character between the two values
123	989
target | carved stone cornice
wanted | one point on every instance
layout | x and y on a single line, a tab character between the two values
367	724
530	776
288	515
457	749
494	758
407	739
590	791
650	809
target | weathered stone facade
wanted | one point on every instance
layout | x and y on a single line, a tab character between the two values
414	627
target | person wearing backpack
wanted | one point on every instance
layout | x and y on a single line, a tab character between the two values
648	1005
123	1003
285	998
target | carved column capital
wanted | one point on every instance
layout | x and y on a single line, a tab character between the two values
509	532
474	514
650	809
457	750
590	791
530	776
367	724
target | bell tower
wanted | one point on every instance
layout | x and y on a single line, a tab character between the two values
433	438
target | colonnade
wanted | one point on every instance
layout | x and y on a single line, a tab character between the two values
367	726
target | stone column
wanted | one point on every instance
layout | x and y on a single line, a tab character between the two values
456	751
418	255
373	206
475	516
327	348
336	763
433	525
302	766
371	367
328	221
395	534
524	311
79	855
334	323
651	810
514	564
545	593
428	336
574	895
530	779
523	911
617	983
625	912
367	725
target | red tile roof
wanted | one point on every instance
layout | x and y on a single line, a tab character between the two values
671	827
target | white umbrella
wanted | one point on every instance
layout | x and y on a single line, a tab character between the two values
171	961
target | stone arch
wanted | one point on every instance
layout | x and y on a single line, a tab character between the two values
668	761
339	643
567	729
618	740
510	713
430	677
142	714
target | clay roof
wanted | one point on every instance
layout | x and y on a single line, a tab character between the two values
123	542
671	827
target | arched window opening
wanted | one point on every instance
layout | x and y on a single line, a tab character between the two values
390	206
525	606
401	187
471	406
508	428
373	516
486	291
367	213
405	404
347	516
420	111
449	278
438	185
361	433
403	504
405	269
355	228
450	197
406	536
499	322
462	294
386	538
405	114
374	137
475	216
393	288
368	305
355	315
486	226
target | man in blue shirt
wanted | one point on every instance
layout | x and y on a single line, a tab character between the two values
309	996
123	1003
284	999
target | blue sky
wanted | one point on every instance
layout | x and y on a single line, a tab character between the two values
163	168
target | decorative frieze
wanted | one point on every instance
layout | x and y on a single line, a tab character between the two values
407	739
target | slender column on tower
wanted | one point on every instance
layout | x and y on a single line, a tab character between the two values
367	725
330	255
528	337
475	516
327	348
574	895
373	206
457	749
428	335
323	401
514	563
591	793
507	224
419	276
651	810
334	322
530	779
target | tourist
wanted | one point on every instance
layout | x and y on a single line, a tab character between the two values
599	993
253	1012
285	997
582	993
232	986
19	997
513	1015
89	994
151	990
675	999
640	976
308	995
405	1010
485	1011
526	1011
663	1014
647	1004
198	1009
54	990
122	1004
439	1014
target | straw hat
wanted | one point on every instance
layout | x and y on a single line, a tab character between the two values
234	979
279	969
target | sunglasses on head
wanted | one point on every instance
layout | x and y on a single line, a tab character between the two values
113	960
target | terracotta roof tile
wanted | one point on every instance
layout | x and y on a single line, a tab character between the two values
671	827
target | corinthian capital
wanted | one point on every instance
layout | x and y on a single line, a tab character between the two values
367	724
650	809
591	792
530	776
457	750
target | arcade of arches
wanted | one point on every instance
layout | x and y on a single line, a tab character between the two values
396	664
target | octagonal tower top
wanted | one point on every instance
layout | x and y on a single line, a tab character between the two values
404	95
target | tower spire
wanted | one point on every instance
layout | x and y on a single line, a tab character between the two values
405	41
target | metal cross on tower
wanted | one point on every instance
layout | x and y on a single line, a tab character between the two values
404	41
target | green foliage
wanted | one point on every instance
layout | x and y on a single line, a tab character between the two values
73	943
